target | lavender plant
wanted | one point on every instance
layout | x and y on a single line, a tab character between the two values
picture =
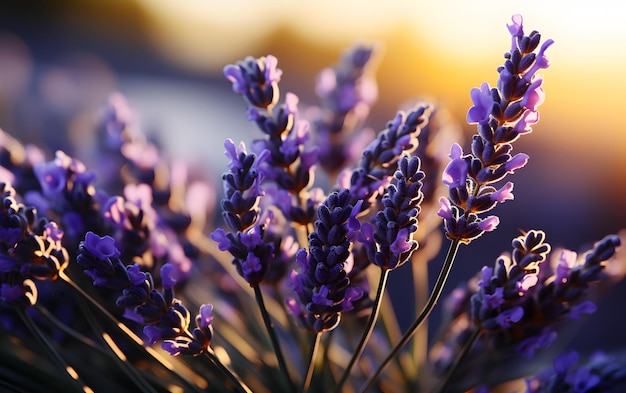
279	285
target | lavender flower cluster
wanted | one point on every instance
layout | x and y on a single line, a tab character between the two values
104	265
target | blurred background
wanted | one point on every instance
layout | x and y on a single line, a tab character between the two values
60	60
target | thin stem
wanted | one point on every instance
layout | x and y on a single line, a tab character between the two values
78	384
134	337
239	384
384	274
428	308
312	355
69	331
273	338
118	355
464	351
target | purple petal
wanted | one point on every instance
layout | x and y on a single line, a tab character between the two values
488	224
168	276
445	208
483	104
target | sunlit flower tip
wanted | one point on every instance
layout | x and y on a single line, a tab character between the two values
516	28
528	118
291	103
503	194
489	224
518	161
272	72
101	247
232	152
483	104
205	316
168	276
445	208
455	174
53	232
567	260
535	95
542	61
234	75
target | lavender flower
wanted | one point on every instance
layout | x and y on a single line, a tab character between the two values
202	335
30	250
347	92
251	254
68	192
255	79
601	373
163	315
562	295
289	163
322	284
499	303
379	161
391	243
503	114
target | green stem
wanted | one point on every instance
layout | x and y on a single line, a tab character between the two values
69	331
273	338
464	351
428	308
78	384
134	337
120	358
384	274
312	355
239	385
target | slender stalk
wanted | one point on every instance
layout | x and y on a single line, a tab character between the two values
239	384
118	355
464	351
273	338
56	357
134	337
369	328
312	355
69	331
428	308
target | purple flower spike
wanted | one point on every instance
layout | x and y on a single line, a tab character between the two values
502	114
322	284
504	289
